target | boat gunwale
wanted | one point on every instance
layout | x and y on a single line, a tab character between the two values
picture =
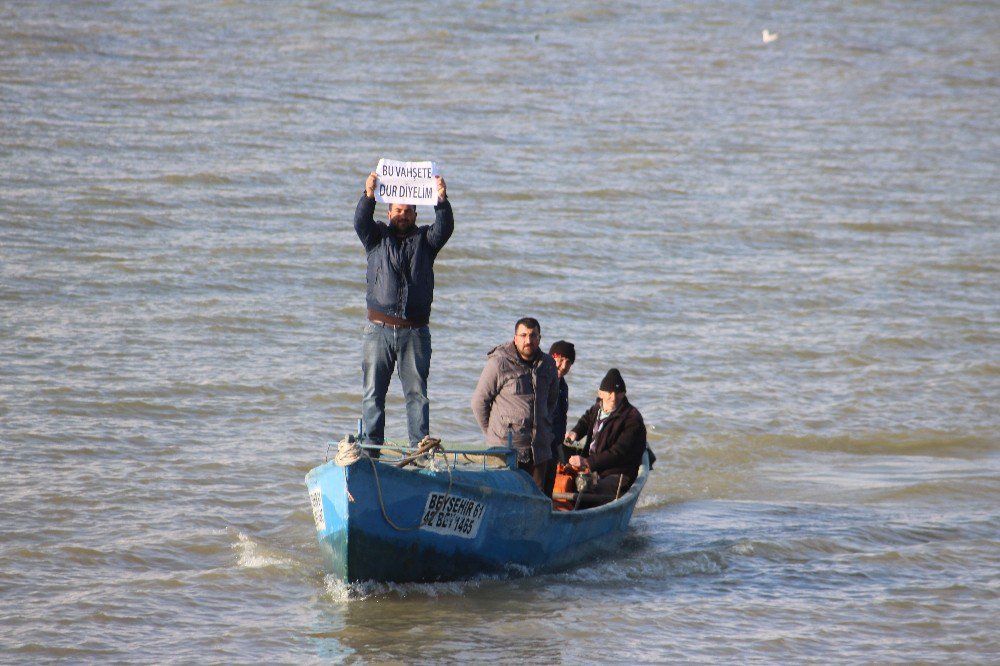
631	495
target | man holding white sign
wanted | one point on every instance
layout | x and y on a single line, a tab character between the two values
400	289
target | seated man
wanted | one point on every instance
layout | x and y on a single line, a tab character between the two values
616	437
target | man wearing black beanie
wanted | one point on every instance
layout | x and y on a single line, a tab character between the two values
615	434
564	354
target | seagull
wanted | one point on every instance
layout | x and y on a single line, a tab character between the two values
768	36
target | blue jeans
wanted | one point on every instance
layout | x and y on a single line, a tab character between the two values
408	350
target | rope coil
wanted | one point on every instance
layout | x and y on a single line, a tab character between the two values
348	452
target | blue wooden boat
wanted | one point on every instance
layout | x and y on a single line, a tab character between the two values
461	514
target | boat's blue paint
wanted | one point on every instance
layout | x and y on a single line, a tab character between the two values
516	527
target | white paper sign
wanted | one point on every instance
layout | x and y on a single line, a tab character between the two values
406	182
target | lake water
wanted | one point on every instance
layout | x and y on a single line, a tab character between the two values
790	250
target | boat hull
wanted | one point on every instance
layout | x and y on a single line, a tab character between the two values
375	521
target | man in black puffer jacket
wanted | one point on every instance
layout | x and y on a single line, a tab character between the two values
616	437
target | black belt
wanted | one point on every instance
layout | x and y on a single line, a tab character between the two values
382	318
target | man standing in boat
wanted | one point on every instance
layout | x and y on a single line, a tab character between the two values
400	290
564	355
516	396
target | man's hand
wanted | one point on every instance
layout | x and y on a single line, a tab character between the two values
370	185
442	190
579	462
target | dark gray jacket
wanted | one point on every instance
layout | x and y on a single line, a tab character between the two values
401	271
521	395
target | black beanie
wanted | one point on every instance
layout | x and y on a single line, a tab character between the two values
613	382
564	349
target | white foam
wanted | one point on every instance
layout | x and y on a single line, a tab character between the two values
341	592
253	555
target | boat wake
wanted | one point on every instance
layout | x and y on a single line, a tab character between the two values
644	563
340	592
252	554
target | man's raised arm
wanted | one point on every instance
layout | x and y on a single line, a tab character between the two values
444	218
364	214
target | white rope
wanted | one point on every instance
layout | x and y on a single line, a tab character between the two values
348	453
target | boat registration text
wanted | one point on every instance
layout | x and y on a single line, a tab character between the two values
449	514
316	499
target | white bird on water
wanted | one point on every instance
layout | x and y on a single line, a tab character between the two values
768	36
